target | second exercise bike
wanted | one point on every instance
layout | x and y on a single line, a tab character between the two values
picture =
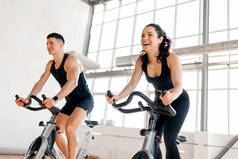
148	150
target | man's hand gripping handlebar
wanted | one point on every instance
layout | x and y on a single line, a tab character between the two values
42	106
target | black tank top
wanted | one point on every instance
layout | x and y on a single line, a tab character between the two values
162	82
80	92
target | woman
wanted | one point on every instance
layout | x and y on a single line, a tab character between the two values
163	69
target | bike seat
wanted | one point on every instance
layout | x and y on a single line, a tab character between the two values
91	123
180	139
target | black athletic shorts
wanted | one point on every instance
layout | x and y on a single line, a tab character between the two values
85	103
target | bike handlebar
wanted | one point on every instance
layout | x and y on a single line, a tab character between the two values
42	106
152	107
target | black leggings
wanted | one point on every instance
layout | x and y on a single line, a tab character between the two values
171	126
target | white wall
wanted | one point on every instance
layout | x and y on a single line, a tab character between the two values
23	30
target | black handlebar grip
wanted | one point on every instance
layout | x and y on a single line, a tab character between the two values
17	96
44	97
109	93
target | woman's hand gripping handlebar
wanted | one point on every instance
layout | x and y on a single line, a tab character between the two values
152	107
27	105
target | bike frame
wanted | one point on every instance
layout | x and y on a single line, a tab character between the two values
39	146
83	150
154	111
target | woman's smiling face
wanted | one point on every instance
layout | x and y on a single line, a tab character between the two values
149	39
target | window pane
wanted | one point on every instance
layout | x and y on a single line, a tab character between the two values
127	1
137	49
217	112
127	10
190	80
233	34
105	59
99	108
188	59
186	42
92	56
233	112
108	34
181	1
217	15
117	84
111	15
217	37
100	85
188	19
145	5
217	79
141	21
233	13
112	4
94	38
97	18
163	3
165	18
218	57
125	32
190	120
233	57
234	78
98	8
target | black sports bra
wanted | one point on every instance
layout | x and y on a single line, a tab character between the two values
162	82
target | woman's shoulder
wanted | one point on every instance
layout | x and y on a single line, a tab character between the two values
172	59
139	61
172	56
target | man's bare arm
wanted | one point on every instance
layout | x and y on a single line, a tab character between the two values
73	69
44	77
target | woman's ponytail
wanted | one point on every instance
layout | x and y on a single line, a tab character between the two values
164	48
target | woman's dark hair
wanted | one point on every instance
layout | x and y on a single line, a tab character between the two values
163	47
56	36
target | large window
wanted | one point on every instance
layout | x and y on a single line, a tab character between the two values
116	31
223	24
222	93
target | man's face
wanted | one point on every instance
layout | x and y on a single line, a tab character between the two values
54	45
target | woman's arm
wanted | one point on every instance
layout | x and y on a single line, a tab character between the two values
135	78
175	67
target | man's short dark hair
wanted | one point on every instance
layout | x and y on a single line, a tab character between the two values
57	36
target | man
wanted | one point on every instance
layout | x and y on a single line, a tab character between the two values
79	102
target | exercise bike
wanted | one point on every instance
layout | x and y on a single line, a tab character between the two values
43	146
149	149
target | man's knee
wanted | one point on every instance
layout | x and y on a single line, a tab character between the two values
70	128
